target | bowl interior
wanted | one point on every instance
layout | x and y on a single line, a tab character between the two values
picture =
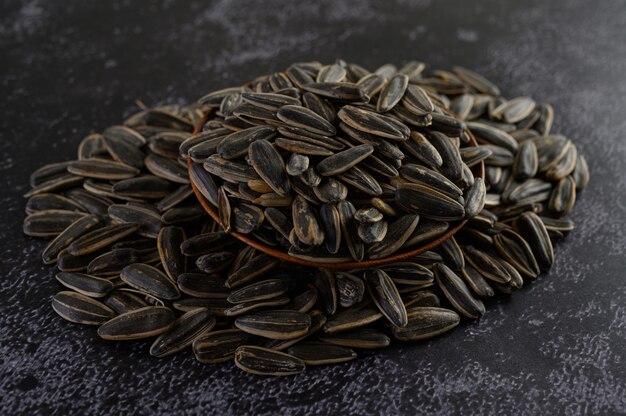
478	171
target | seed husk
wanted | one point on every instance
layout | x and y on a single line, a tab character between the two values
486	264
326	286
417	101
85	284
46	202
185	330
361	180
329	216
75	230
581	173
249	306
219	346
277	324
342	161
374	232
476	81
49	172
426	322
269	165
215	262
203	181
475	198
359	338
297	164
80	309
123	301
148	187
526	163
350	289
514	249
428	202
457	292
150	280
266	289
267	362
236	144
57	183
369	122
204	243
386	297
101	238
306	119
397	233
342	91
305	223
140	323
203	285
349	230
563	196
302	147
121	149
102	169
351	319
425	176
321	353
330	191
255	267
49	223
392	92
169	241
148	220
532	229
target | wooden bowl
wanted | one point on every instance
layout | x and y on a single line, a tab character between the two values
478	170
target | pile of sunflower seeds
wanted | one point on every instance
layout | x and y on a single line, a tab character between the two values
332	163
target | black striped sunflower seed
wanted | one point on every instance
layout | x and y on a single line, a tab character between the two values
80	309
185	330
266	362
385	295
457	292
150	280
137	324
277	324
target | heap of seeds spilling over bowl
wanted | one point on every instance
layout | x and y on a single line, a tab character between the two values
328	164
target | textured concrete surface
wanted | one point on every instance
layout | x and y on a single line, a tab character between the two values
71	67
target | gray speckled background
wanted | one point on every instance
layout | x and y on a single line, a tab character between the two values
557	347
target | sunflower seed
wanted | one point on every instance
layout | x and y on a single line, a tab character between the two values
102	169
532	229
278	324
150	280
426	322
263	361
457	292
342	91
80	309
428	202
352	318
169	241
100	238
386	297
75	230
305	223
266	289
137	324
123	301
112	262
185	330
219	346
